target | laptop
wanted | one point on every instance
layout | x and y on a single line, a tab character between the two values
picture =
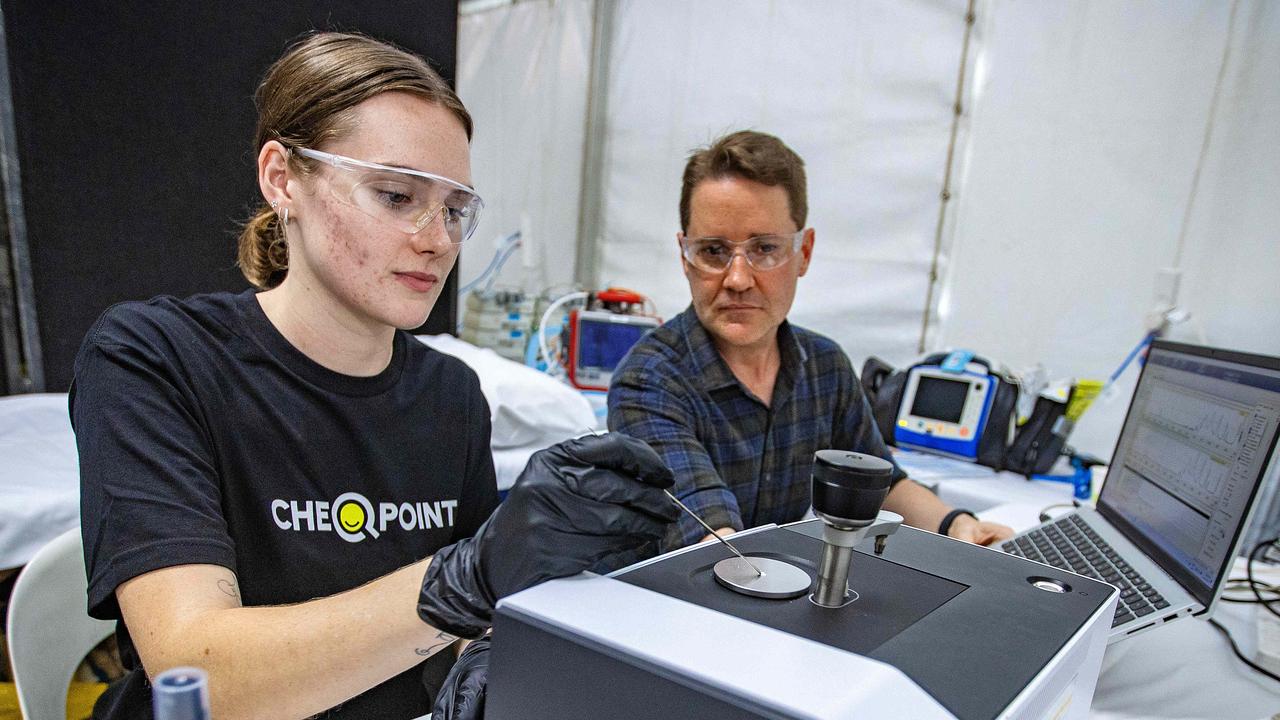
1196	446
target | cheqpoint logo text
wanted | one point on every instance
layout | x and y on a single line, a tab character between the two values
352	516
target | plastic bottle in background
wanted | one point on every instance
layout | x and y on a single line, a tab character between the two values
181	693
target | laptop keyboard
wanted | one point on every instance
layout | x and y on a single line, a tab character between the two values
1070	544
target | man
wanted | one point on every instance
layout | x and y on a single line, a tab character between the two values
733	397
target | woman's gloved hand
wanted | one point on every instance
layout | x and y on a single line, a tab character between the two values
462	695
575	504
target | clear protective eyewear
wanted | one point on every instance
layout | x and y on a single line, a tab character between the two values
763	252
407	200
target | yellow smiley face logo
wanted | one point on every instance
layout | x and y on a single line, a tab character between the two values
351	516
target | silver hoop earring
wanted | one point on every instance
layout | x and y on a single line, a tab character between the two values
285	218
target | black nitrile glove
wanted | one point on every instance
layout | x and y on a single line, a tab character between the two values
462	695
575	504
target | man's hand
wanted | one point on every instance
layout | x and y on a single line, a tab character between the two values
576	504
978	532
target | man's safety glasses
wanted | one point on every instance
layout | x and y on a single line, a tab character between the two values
763	252
407	200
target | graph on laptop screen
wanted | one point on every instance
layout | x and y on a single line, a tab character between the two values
1200	432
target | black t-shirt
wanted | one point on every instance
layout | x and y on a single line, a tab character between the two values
205	437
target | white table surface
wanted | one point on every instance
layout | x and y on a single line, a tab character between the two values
977	488
1187	670
39	475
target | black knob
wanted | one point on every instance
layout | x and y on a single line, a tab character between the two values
849	487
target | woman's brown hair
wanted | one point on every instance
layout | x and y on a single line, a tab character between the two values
306	99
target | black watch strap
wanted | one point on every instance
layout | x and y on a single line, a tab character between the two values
944	527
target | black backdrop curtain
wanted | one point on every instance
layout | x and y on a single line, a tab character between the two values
134	125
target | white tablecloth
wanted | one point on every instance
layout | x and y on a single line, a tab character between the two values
39	475
975	487
1187	670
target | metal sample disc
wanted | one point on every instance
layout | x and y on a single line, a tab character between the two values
777	580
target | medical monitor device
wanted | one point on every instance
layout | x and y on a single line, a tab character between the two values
598	340
945	411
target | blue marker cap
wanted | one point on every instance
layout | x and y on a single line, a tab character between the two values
181	693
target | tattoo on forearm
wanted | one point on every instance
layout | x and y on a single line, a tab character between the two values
441	641
229	587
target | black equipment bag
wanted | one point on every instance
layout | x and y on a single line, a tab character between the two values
883	387
1040	439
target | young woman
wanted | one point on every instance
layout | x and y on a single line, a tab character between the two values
266	476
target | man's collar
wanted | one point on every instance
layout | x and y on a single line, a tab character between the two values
711	370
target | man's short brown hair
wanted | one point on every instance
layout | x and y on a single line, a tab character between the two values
749	155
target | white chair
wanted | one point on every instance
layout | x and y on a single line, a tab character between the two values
49	629
39	475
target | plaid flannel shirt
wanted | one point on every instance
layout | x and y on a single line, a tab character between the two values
738	462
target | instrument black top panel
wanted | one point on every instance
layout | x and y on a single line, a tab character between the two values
962	621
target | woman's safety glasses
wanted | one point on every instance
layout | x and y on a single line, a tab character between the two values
763	252
407	200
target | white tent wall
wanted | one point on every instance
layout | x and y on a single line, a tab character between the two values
1101	142
523	70
1091	122
863	91
1232	253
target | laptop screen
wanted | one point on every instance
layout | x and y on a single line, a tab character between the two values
1191	457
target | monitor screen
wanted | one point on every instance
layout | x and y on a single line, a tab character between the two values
602	345
1190	458
939	399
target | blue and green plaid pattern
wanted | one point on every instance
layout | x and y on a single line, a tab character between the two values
738	462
